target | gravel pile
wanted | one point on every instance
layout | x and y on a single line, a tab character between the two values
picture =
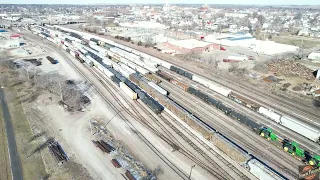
290	68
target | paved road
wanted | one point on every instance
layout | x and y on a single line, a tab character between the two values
13	153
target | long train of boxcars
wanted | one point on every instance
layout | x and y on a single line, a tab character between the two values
289	122
146	59
290	147
195	123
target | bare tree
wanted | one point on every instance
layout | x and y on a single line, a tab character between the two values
261	66
191	55
212	61
233	67
148	42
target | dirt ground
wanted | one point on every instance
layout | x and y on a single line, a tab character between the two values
71	130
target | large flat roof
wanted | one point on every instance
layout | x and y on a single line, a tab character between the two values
189	43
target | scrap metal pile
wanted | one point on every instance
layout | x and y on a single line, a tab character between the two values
57	151
290	68
103	146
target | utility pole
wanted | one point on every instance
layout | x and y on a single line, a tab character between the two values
191	171
113	118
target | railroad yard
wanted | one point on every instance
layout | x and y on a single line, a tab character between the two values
143	116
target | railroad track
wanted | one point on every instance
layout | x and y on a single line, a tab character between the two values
213	152
284	106
230	134
179	172
169	140
279	129
130	124
183	150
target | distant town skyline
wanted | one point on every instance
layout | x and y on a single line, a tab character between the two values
246	2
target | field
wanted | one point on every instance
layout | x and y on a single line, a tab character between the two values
5	172
32	167
307	42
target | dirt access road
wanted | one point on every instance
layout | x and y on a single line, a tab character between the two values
15	164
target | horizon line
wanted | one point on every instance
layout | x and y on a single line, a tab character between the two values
161	4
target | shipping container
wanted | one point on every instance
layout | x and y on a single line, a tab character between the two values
180	84
177	110
270	114
200	127
129	175
131	85
305	130
150	63
230	60
107	146
151	69
134	79
166	64
108	73
73	54
230	149
116	163
128	91
164	75
150	102
211	85
116	80
158	88
130	70
123	71
254	126
263	172
244	101
224	108
153	78
52	61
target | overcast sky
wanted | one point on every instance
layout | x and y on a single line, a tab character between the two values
259	2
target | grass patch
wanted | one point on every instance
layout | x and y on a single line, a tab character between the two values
5	171
32	167
297	42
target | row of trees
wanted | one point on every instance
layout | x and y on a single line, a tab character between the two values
127	39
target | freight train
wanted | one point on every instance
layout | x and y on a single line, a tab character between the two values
219	140
137	57
304	129
260	129
194	122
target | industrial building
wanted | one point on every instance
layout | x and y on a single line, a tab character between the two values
185	46
247	41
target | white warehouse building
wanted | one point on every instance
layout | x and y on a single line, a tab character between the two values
247	41
9	44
